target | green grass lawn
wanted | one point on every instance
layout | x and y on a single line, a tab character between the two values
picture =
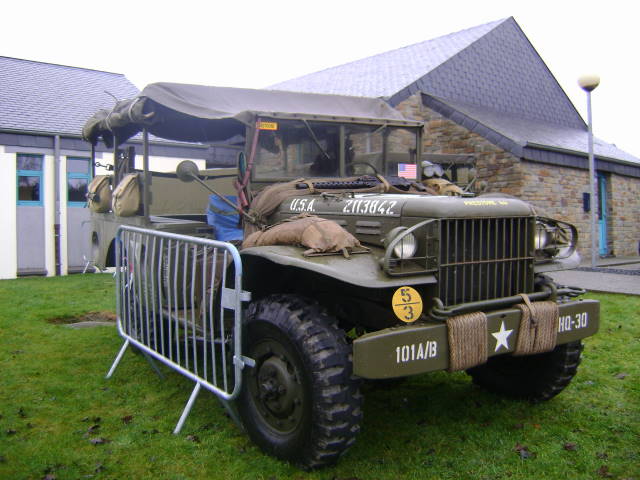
61	419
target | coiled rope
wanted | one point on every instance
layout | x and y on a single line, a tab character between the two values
538	331
467	340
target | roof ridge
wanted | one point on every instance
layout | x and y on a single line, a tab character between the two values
388	52
451	34
551	74
398	96
61	65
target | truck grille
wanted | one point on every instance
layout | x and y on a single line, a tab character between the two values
485	258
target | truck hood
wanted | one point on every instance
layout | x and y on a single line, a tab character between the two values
404	205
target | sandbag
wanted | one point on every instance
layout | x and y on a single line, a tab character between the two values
443	187
126	196
99	194
319	235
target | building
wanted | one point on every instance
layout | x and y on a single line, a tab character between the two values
45	165
486	92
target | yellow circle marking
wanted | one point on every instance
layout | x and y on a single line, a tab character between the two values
407	304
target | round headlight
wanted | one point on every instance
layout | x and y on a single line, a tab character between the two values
406	247
542	237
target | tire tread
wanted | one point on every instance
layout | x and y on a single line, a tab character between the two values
335	391
537	378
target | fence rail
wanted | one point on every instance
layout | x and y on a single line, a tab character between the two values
179	301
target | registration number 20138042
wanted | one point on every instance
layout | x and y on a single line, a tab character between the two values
567	323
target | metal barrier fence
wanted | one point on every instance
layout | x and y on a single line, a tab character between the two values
179	301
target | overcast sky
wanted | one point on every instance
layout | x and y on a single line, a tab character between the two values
247	43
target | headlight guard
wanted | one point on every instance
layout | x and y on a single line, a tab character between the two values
554	239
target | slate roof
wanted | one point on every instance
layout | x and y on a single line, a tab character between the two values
39	97
522	131
387	73
490	76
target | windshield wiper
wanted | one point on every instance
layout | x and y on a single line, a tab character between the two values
315	139
379	129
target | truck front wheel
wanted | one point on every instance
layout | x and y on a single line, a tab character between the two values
300	401
533	377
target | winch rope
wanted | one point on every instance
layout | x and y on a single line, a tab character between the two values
538	330
467	340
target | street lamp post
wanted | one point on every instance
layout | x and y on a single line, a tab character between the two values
589	83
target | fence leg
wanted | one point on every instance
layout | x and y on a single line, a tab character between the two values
118	358
232	410
153	364
187	408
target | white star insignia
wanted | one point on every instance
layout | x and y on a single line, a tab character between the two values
502	338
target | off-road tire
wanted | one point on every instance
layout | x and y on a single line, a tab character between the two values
297	345
533	377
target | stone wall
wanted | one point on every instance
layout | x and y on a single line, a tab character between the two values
624	215
555	191
501	170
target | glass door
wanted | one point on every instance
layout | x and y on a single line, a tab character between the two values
602	213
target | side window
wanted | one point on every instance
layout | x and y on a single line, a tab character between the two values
78	178
29	179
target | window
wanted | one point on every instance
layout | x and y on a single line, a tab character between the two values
29	179
78	177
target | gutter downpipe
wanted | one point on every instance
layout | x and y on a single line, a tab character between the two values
62	213
50	211
146	187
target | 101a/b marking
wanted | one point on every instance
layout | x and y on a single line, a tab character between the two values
566	323
413	352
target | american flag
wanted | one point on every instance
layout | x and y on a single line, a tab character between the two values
408	170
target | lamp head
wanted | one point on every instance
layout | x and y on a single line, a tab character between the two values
589	82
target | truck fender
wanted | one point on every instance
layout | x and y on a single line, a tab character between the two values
362	270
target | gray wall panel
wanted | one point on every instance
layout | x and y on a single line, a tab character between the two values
30	230
78	237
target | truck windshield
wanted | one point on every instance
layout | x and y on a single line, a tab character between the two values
294	149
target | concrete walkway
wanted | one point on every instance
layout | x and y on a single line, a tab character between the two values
612	275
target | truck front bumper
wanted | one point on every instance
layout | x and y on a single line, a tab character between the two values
409	350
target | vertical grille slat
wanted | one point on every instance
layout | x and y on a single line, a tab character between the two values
485	258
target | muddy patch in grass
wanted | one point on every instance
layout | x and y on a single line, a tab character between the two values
86	319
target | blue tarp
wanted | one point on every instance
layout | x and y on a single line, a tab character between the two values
224	219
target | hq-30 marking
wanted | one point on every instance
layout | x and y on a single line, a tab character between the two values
566	323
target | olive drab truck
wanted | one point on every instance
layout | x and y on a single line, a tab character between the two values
346	255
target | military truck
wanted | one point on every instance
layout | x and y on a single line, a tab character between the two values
359	266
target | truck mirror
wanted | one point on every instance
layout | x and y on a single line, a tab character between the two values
241	161
187	171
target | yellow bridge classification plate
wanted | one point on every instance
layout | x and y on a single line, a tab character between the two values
267	125
407	304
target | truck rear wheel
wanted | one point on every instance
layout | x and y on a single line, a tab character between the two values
533	377
300	402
